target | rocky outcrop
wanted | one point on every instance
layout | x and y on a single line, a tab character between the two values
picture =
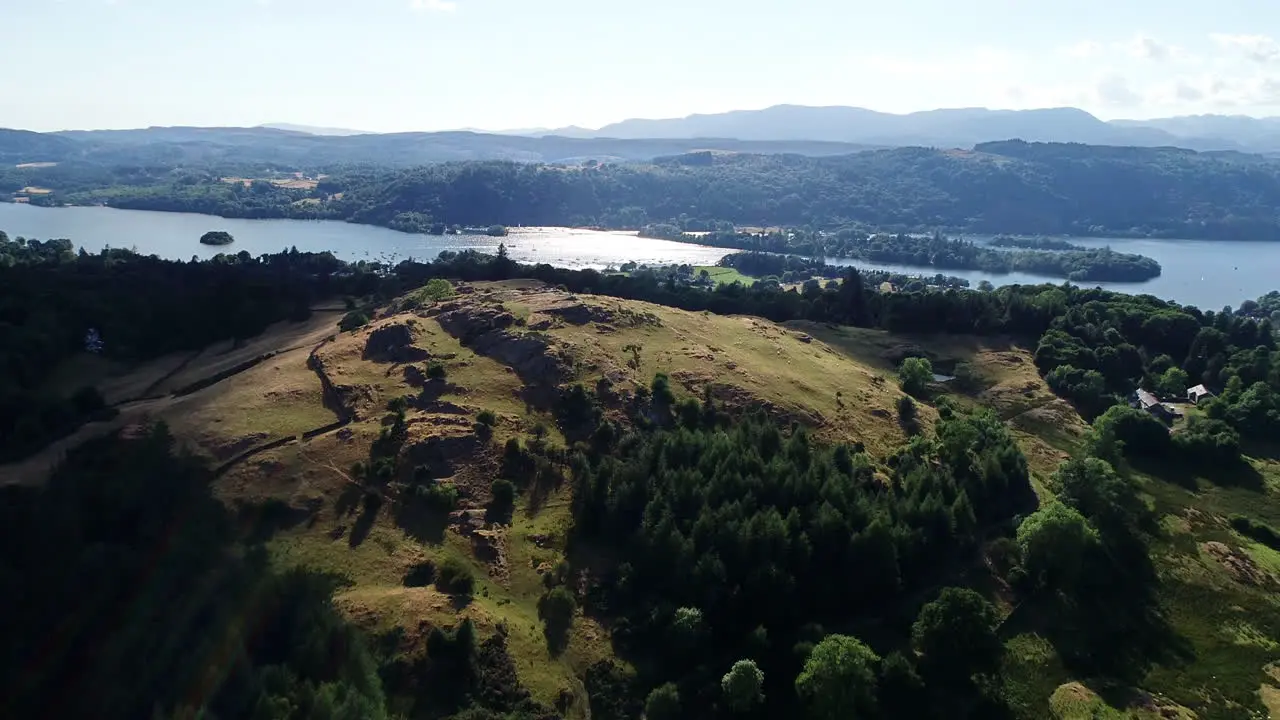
395	343
535	357
343	400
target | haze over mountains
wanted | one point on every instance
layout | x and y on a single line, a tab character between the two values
950	127
813	131
958	127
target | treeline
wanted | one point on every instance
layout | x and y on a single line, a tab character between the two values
58	304
1004	187
789	268
1033	243
1082	264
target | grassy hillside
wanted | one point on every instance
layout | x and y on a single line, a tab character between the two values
288	431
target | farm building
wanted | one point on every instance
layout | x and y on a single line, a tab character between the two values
1198	393
1149	402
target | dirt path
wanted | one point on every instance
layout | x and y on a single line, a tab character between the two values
33	470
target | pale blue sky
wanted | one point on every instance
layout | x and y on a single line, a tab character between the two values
387	65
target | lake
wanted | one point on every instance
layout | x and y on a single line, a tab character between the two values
176	236
1206	274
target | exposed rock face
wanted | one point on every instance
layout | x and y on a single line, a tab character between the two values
442	454
1240	565
394	343
486	330
344	400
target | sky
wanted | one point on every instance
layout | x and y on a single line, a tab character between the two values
402	65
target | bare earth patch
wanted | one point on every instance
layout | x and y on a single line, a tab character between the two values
1239	565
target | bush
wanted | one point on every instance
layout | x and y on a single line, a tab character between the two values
436	290
908	415
556	609
915	374
504	494
436	371
1259	531
353	321
487	418
454	577
441	498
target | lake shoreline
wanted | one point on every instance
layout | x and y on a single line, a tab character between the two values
1205	273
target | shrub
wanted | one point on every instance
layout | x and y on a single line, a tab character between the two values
353	321
915	374
398	405
436	371
1259	531
487	417
454	577
438	497
436	290
504	494
908	415
556	609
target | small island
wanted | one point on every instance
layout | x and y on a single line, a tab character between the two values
217	237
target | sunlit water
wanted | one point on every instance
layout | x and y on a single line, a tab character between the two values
1206	274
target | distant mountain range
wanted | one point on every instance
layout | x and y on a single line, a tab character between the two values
291	149
782	129
313	130
959	127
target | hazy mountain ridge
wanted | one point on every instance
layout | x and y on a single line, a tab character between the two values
958	127
794	129
286	148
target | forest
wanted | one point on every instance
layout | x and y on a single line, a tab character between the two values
1002	187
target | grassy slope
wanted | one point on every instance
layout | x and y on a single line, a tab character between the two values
724	275
840	380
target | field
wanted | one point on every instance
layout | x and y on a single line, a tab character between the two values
289	427
724	275
293	183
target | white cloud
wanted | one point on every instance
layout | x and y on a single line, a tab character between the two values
1148	48
1259	48
1115	90
433	5
1084	49
1213	91
1186	92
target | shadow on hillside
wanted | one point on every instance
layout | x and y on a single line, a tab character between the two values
1111	623
261	521
348	500
368	516
1188	475
1262	450
421	522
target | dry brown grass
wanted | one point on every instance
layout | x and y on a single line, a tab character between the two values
296	184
